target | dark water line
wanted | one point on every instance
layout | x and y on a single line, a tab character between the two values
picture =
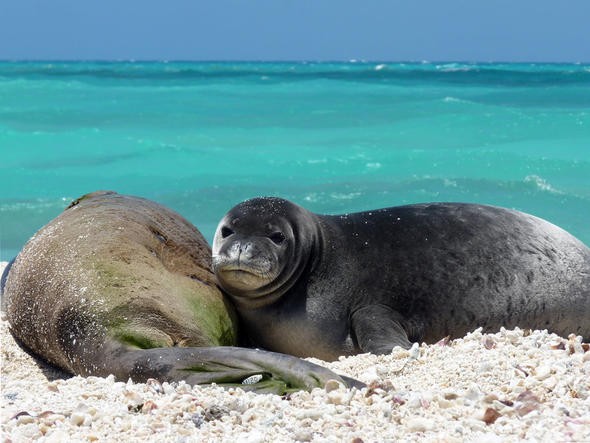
517	75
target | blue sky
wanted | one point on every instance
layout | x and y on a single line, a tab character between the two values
389	30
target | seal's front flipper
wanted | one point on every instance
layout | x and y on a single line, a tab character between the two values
250	369
378	329
5	275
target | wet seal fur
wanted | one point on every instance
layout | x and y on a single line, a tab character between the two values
324	286
121	285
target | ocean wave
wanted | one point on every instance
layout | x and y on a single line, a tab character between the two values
35	205
450	99
316	161
345	195
189	72
456	67
541	184
446	188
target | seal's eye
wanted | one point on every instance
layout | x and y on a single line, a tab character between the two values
277	237
226	232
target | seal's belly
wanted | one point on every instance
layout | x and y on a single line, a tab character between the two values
302	336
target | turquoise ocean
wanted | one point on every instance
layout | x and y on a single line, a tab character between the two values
333	137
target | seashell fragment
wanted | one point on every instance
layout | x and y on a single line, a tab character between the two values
252	380
488	342
154	385
148	406
526	402
490	416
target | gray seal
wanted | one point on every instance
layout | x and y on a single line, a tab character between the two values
122	285
330	285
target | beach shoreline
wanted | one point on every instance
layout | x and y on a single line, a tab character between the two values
513	385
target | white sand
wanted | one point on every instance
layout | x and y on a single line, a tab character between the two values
509	386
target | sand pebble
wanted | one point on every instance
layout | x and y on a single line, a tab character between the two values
80	419
332	385
419	424
543	372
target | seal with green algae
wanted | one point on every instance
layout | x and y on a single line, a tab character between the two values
122	285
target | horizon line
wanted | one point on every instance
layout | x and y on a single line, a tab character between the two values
301	61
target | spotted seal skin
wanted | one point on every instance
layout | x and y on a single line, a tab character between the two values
121	285
324	286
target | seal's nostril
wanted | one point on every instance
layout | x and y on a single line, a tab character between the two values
226	232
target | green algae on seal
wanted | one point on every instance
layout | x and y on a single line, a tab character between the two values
122	285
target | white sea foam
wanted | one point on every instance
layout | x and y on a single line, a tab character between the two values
35	205
316	161
345	196
380	67
454	67
541	184
450	99
448	183
312	198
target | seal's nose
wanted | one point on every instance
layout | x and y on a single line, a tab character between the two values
241	250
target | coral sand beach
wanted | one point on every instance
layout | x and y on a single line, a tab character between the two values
510	386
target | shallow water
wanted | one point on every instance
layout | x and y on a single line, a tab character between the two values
334	137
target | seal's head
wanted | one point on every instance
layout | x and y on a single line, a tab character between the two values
260	248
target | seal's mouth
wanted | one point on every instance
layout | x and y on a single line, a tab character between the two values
244	276
258	266
241	269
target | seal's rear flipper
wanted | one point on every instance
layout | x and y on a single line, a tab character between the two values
249	369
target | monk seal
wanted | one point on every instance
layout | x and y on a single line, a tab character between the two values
330	285
121	285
